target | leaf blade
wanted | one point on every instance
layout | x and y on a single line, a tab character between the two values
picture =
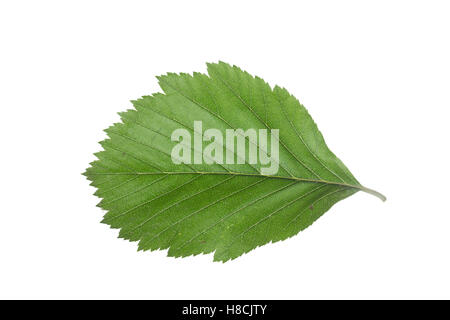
221	208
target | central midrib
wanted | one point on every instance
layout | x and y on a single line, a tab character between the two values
358	187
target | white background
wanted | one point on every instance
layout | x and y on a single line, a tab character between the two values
375	76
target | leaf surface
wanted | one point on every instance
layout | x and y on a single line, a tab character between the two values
228	209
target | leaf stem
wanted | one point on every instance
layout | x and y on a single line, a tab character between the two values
373	192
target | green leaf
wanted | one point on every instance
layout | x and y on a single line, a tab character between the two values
225	208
